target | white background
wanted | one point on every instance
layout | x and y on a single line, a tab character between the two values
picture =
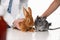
38	8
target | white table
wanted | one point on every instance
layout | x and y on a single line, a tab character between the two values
13	34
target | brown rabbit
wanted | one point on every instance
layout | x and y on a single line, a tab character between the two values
27	24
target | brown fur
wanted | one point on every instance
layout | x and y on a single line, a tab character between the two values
27	24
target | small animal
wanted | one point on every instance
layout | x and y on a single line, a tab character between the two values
41	24
27	24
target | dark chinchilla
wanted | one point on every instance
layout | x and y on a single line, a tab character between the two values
41	24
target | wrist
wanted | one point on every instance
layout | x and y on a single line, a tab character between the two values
43	16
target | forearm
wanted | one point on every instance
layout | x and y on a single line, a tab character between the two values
9	19
51	8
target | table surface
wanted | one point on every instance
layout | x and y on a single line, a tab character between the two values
13	34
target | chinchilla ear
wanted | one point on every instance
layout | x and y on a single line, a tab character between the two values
38	17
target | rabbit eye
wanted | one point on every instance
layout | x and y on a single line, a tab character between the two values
28	20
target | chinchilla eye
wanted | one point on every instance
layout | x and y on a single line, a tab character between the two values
39	21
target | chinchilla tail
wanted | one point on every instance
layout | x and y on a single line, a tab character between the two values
54	28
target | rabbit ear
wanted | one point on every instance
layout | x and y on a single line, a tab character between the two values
29	11
25	12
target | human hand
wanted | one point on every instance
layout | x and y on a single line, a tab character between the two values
16	22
